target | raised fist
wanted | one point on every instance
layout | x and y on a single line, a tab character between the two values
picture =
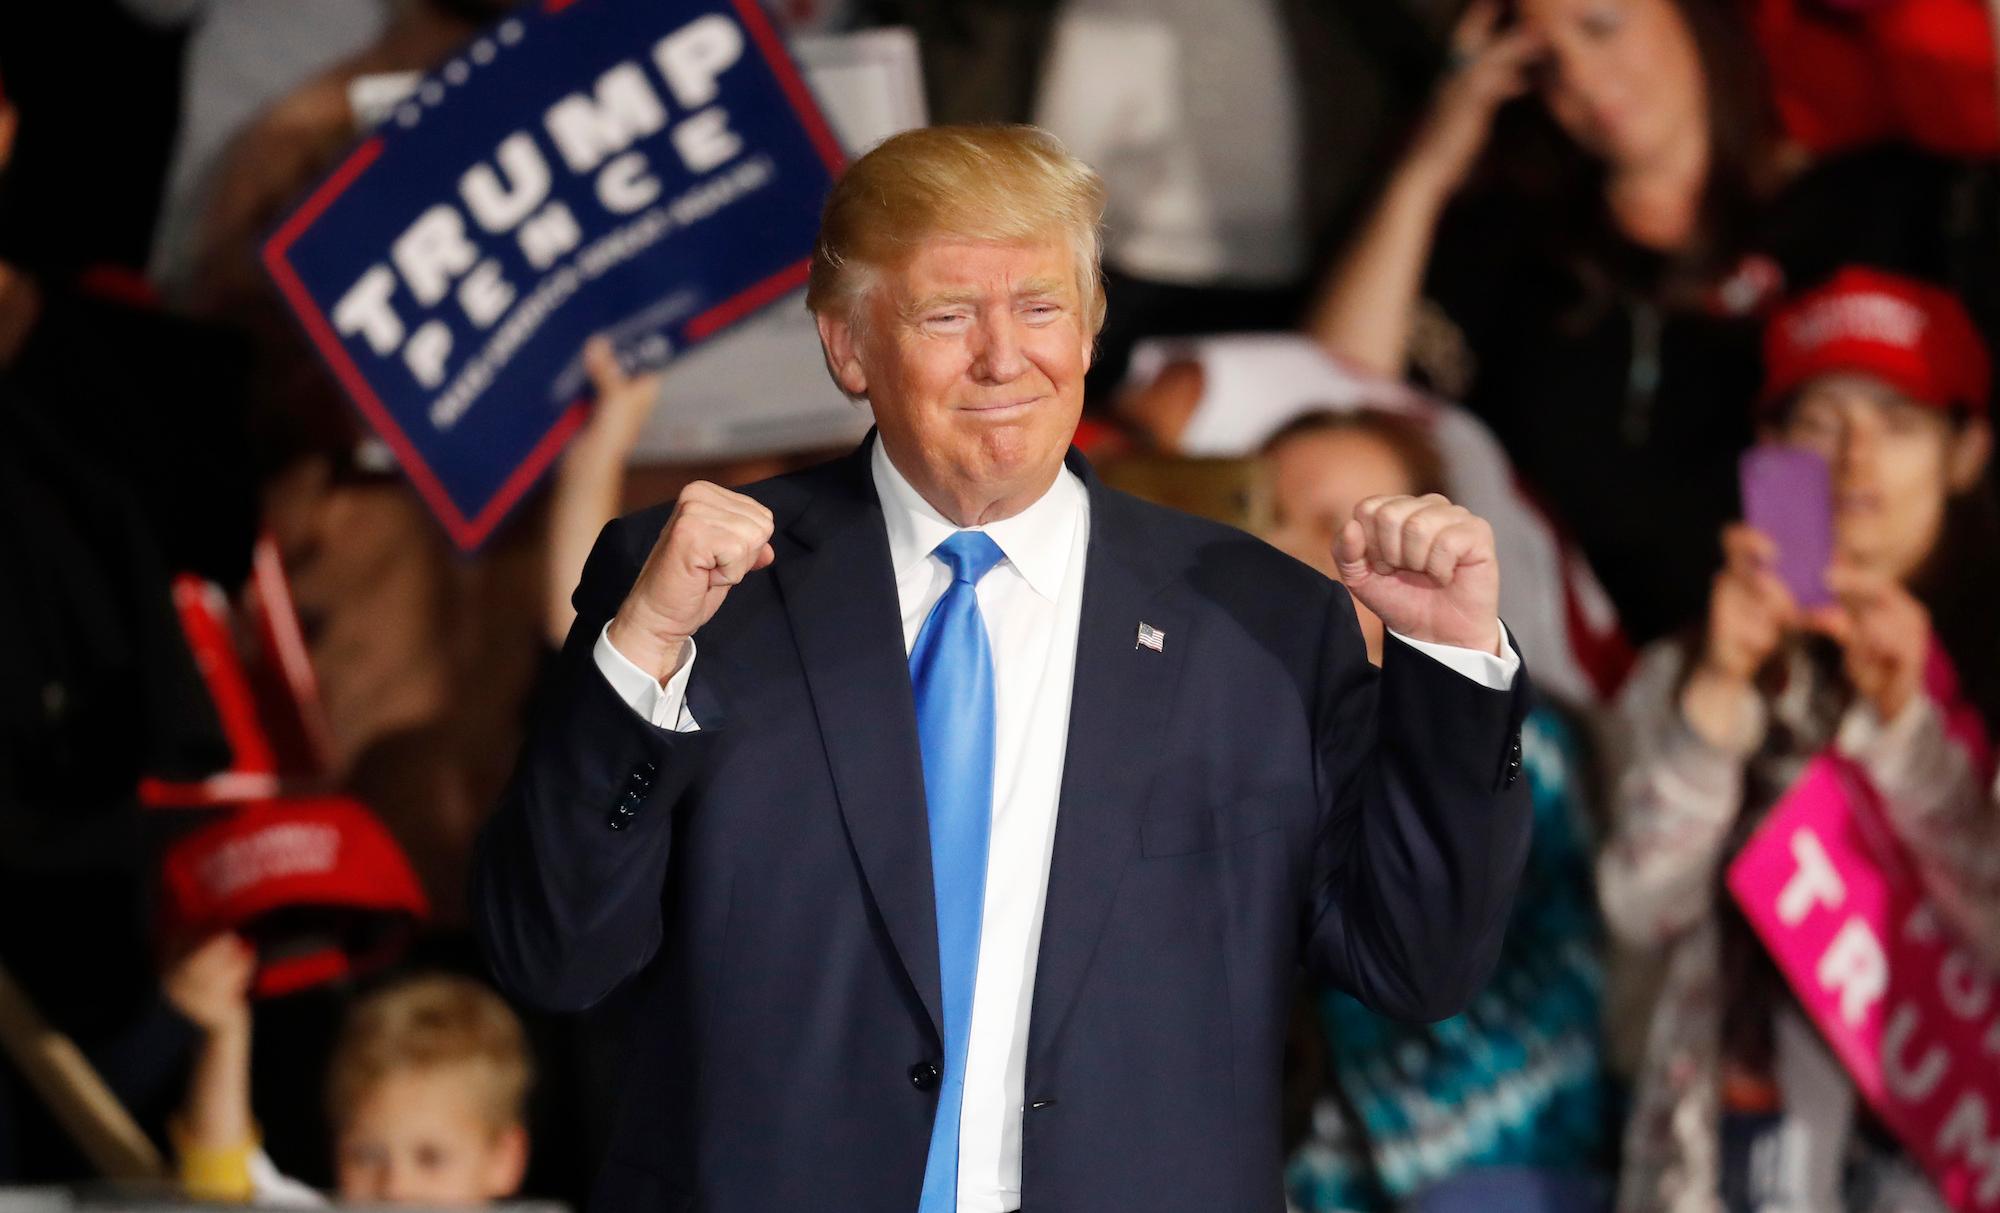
712	540
1427	567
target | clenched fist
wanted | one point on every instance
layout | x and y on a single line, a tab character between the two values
1427	567
210	983
712	540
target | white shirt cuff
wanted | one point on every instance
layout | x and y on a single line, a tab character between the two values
665	705
1493	673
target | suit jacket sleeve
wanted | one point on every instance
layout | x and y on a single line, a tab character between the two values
569	871
1425	825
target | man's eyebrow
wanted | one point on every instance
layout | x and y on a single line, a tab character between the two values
930	303
1031	289
1040	286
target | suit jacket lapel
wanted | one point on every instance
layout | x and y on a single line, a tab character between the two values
1117	720
840	595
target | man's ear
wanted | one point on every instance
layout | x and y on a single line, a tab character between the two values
1965	462
843	354
506	1163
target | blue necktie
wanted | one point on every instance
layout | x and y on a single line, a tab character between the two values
951	672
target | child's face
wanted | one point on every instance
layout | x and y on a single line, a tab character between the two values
1316	481
1895	463
419	1137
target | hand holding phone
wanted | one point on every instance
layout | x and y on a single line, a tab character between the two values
1788	496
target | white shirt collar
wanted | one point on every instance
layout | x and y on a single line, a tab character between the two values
1035	541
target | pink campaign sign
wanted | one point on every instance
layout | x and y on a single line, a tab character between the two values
1910	1012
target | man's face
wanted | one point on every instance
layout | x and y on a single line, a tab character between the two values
418	1137
972	355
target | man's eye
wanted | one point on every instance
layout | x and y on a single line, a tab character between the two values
1603	22
946	319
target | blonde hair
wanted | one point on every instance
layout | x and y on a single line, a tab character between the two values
998	183
425	1023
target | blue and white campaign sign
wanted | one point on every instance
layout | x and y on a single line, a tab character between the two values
651	168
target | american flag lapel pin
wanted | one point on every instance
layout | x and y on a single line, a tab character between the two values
1151	637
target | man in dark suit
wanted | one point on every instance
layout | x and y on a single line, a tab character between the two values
970	861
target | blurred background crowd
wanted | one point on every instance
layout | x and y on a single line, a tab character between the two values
1564	261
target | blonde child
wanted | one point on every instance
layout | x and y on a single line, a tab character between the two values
426	1094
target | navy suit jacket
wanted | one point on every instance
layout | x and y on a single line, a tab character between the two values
1253	797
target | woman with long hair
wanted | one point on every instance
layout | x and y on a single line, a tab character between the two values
1739	1104
1586	269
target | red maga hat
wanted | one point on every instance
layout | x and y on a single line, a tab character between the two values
317	884
1913	336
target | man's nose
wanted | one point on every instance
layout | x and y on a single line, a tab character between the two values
996	355
398	1184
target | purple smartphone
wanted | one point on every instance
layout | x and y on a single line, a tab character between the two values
1788	495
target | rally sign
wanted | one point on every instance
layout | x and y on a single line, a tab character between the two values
1911	1014
652	169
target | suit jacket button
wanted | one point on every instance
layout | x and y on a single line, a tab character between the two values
924	1076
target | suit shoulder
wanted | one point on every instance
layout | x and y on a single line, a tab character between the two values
784	495
1216	552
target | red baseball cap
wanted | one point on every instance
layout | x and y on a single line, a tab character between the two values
318	884
1913	336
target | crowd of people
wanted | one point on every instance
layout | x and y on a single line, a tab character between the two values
1577	264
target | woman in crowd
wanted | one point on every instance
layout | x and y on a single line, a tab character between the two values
1738	1103
1588	279
1503	1106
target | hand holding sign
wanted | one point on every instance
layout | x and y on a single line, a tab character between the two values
623	402
1871	952
650	169
712	540
589	486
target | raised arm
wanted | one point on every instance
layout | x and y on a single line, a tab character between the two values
590	481
568	878
1425	821
1686	725
215	1134
1425	831
1674	799
1364	312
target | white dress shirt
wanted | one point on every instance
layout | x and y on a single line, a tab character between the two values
1032	602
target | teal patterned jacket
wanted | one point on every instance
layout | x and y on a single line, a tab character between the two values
1516	1080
